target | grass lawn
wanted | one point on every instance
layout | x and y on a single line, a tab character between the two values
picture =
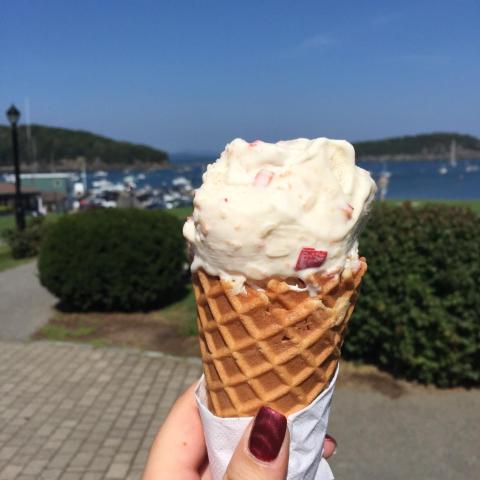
183	313
6	222
168	330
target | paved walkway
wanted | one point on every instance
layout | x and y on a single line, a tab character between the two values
423	434
24	304
76	413
72	412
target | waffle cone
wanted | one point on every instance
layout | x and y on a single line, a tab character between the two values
275	347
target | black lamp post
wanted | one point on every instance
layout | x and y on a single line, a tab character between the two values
13	116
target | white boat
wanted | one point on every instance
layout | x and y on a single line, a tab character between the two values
453	154
469	168
129	181
9	177
101	184
383	182
181	182
78	189
108	204
452	162
100	174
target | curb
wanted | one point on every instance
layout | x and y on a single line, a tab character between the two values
125	350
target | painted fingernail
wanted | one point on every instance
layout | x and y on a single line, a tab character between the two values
267	434
330	439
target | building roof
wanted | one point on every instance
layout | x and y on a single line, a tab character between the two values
47	175
9	189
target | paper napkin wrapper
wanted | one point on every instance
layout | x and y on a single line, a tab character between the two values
307	431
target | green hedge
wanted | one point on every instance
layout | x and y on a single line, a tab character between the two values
418	314
114	260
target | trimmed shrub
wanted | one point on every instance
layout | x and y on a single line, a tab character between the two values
26	243
418	314
114	260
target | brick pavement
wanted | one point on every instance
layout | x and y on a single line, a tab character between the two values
72	412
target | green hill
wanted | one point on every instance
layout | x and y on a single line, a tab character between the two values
61	147
419	147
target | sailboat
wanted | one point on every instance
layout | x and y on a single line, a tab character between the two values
453	159
453	154
383	181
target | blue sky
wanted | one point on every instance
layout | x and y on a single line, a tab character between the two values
191	75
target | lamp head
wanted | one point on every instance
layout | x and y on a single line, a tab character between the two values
13	115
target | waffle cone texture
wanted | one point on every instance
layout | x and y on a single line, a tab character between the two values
275	347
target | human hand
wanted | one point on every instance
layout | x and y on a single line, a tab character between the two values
179	450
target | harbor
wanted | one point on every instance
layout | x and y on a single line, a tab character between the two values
174	186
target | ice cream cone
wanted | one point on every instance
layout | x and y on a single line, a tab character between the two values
275	346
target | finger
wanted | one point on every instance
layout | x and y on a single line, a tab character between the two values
206	475
262	453
329	446
179	448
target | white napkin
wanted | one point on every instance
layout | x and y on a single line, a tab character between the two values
307	431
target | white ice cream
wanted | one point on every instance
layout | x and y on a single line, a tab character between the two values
260	204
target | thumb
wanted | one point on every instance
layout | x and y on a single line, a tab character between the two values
262	453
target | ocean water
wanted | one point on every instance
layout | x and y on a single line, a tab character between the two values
422	180
407	181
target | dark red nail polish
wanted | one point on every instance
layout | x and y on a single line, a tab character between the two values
329	437
329	446
267	434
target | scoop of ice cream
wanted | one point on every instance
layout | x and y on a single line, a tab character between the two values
289	209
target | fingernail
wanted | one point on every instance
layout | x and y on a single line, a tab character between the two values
267	434
329	438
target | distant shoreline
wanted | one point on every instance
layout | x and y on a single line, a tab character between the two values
75	166
60	149
465	155
139	166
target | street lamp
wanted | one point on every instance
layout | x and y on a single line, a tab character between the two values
13	116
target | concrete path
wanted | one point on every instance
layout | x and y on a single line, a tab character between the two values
421	433
72	412
24	304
